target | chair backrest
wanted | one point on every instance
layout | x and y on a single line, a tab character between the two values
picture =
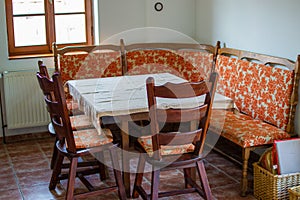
57	107
199	113
192	62
43	69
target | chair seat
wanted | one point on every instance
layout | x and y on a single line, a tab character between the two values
244	130
91	138
73	107
146	143
80	122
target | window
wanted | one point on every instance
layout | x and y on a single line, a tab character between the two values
33	25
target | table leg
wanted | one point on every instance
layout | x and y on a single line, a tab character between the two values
125	156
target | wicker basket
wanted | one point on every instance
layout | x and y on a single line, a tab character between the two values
270	186
294	193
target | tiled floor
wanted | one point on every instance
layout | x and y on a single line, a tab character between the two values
25	174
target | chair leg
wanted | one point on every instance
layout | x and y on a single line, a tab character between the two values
204	180
54	155
71	180
118	175
155	183
139	176
102	168
56	170
244	182
187	173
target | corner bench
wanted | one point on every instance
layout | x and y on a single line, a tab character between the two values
264	89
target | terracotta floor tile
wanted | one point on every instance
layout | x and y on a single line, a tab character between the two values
8	182
42	192
31	165
217	178
6	169
231	192
33	178
25	167
11	194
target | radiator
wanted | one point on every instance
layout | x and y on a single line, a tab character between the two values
22	101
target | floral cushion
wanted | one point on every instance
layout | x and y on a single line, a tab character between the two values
264	92
202	63
90	138
92	65
80	122
192	66
244	130
146	143
227	69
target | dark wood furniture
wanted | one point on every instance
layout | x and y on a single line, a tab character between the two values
179	149
78	122
76	144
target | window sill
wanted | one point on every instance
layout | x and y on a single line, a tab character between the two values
30	56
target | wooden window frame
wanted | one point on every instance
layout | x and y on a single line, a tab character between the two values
39	50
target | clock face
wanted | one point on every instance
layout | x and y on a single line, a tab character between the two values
158	6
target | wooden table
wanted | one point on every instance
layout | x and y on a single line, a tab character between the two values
125	98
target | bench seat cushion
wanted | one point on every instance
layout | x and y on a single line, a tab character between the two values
244	130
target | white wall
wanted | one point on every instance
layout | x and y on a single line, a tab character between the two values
264	26
117	16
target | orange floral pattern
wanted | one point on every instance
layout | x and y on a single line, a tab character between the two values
146	143
264	92
92	65
260	91
190	65
227	69
244	130
90	138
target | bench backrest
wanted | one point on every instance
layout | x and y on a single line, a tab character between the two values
263	87
193	62
78	62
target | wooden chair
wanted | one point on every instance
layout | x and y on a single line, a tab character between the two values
44	82
78	122
180	149
75	144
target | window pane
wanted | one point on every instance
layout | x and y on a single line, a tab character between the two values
28	7
67	6
29	31
70	28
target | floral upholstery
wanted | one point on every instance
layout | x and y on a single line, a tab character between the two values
244	130
264	92
192	66
202	63
92	65
227	69
146	143
80	122
260	91
90	138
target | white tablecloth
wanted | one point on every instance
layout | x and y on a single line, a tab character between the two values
123	95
